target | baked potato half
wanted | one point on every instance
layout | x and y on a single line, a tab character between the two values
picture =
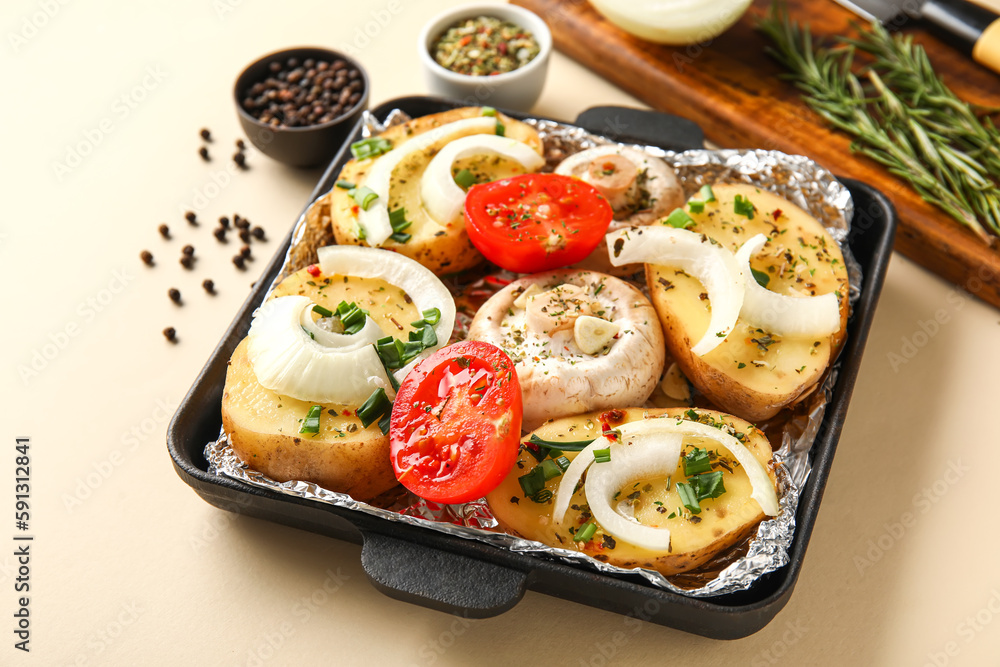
694	538
264	426
754	373
443	247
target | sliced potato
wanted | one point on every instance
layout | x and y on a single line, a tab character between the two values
443	248
694	538
264	426
754	373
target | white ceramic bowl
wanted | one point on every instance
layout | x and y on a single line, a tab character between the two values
517	90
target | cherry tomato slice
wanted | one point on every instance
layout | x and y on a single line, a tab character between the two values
536	222
456	423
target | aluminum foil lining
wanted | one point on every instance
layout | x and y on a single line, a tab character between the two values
795	178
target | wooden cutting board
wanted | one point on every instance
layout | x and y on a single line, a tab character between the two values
733	89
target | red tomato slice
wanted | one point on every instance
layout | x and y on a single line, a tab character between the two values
536	222
456	423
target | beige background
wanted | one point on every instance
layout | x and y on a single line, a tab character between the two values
130	567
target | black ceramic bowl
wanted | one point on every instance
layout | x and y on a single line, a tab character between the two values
305	145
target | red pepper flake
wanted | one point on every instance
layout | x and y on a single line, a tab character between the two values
313	270
493	280
348	413
355	209
777	213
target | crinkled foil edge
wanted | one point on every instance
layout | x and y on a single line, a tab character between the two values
794	177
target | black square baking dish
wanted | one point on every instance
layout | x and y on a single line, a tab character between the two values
478	580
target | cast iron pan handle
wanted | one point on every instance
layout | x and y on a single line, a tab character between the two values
639	126
441	580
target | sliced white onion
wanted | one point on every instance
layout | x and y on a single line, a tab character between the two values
340	368
426	289
442	196
375	220
644	451
712	264
571	477
781	314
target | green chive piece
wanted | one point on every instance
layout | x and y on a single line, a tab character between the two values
370	147
431	316
762	278
602	455
465	179
743	206
383	424
501	131
400	237
374	407
680	219
363	196
562	445
586	532
311	423
697	461
562	462
706	194
550	469
542	496
709	485
696	206
390	351
533	482
352	317
489	111
397	218
345	185
688	497
321	311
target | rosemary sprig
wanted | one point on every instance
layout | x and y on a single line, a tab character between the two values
900	113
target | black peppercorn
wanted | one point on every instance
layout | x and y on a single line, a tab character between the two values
245	252
170	334
191	217
208	285
187	250
258	233
146	257
238	261
223	221
240	144
220	233
240	160
187	262
205	134
245	235
174	294
203	152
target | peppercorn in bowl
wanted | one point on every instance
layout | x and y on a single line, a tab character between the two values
297	106
486	54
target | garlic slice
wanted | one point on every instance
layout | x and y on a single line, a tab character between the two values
442	197
710	263
593	334
782	314
375	220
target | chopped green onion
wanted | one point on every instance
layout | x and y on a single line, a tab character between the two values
426	336
706	194
562	445
489	111
533	482
743	206
431	316
550	469
323	312
311	423
352	317
501	130
542	496
762	278
383	424
585	532
680	219
562	462
696	206
602	455
364	196
400	237
370	147
390	351
397	218
697	461
688	497
708	485
345	185
362	235
465	179
374	407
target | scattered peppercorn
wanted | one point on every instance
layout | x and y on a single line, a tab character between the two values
242	223
240	159
258	233
164	231
245	235
245	252
240	144
171	334
191	217
146	257
203	152
220	233
208	285
187	250
205	134
239	262
187	261
223	221
174	294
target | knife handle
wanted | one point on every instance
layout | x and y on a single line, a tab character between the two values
967	26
